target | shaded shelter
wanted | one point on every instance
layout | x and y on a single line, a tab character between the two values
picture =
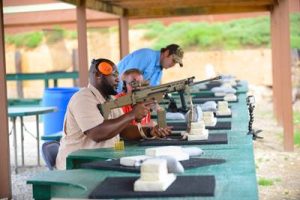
137	9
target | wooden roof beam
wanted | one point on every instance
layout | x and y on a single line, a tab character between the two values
99	6
188	3
170	12
206	2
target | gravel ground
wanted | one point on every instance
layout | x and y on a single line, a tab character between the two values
20	190
280	169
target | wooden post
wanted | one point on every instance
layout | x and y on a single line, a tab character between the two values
275	25
124	36
282	51
82	44
75	64
18	63
5	189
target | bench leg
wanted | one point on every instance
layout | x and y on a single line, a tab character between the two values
38	139
22	140
15	144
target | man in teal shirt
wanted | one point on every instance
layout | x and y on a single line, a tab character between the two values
151	62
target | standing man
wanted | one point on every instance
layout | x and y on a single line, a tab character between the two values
151	62
84	125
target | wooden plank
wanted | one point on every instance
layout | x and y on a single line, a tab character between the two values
157	8
27	2
52	17
128	4
203	2
5	179
82	45
169	12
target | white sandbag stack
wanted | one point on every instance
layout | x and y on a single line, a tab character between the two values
154	176
209	119
223	109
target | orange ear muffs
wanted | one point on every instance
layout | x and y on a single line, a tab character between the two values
105	68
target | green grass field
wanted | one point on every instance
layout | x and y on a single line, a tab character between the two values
236	34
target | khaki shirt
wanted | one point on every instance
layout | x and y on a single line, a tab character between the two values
82	114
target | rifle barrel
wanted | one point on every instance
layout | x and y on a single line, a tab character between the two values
207	80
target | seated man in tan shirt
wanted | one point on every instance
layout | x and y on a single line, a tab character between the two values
85	127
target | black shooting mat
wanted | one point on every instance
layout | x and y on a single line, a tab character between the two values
208	95
181	126
211	85
203	100
115	164
220	126
202	95
154	116
218	138
122	187
222	116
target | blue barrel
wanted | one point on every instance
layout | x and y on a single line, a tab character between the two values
58	97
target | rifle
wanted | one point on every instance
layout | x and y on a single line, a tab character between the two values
184	107
145	94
